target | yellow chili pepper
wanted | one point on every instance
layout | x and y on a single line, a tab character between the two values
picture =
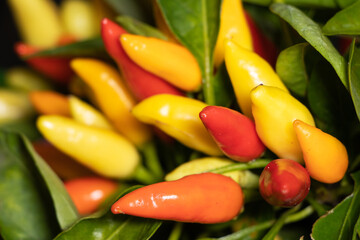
171	61
14	105
87	114
78	18
38	21
248	70
112	97
274	111
233	25
103	151
178	117
246	179
325	157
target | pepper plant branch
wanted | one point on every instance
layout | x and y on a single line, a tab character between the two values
259	163
152	160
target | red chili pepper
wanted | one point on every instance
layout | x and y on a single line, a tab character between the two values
88	193
234	133
56	68
198	198
261	43
141	82
284	183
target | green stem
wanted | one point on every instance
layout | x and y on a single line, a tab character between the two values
152	160
144	176
176	231
306	212
259	163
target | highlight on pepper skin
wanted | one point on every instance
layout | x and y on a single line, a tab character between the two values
284	183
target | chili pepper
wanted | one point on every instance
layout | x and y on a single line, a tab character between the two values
234	133
325	157
284	183
78	18
64	166
87	114
14	105
142	83
178	117
112	97
37	21
24	78
88	193
274	111
246	178
168	60
248	70
103	151
55	68
50	102
233	25
198	198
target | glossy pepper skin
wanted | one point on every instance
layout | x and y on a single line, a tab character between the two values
248	70
233	25
170	61
142	83
178	117
56	68
274	111
199	198
87	114
284	183
234	133
88	193
103	151
325	157
112	96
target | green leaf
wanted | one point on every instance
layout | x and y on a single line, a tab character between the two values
354	77
87	48
312	33
24	126
139	28
108	226
223	91
65	209
339	222
195	23
302	3
344	22
24	213
290	67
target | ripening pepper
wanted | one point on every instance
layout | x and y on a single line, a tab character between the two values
26	79
78	18
284	183
233	25
246	178
37	21
170	61
112	96
178	117
14	105
248	70
88	193
325	157
234	133
56	68
274	111
199	198
87	114
142	83
50	102
63	165
105	152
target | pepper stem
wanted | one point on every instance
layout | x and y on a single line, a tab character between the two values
152	159
143	175
259	163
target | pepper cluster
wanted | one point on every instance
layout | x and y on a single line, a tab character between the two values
148	90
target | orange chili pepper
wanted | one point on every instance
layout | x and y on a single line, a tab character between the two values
200	198
50	102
